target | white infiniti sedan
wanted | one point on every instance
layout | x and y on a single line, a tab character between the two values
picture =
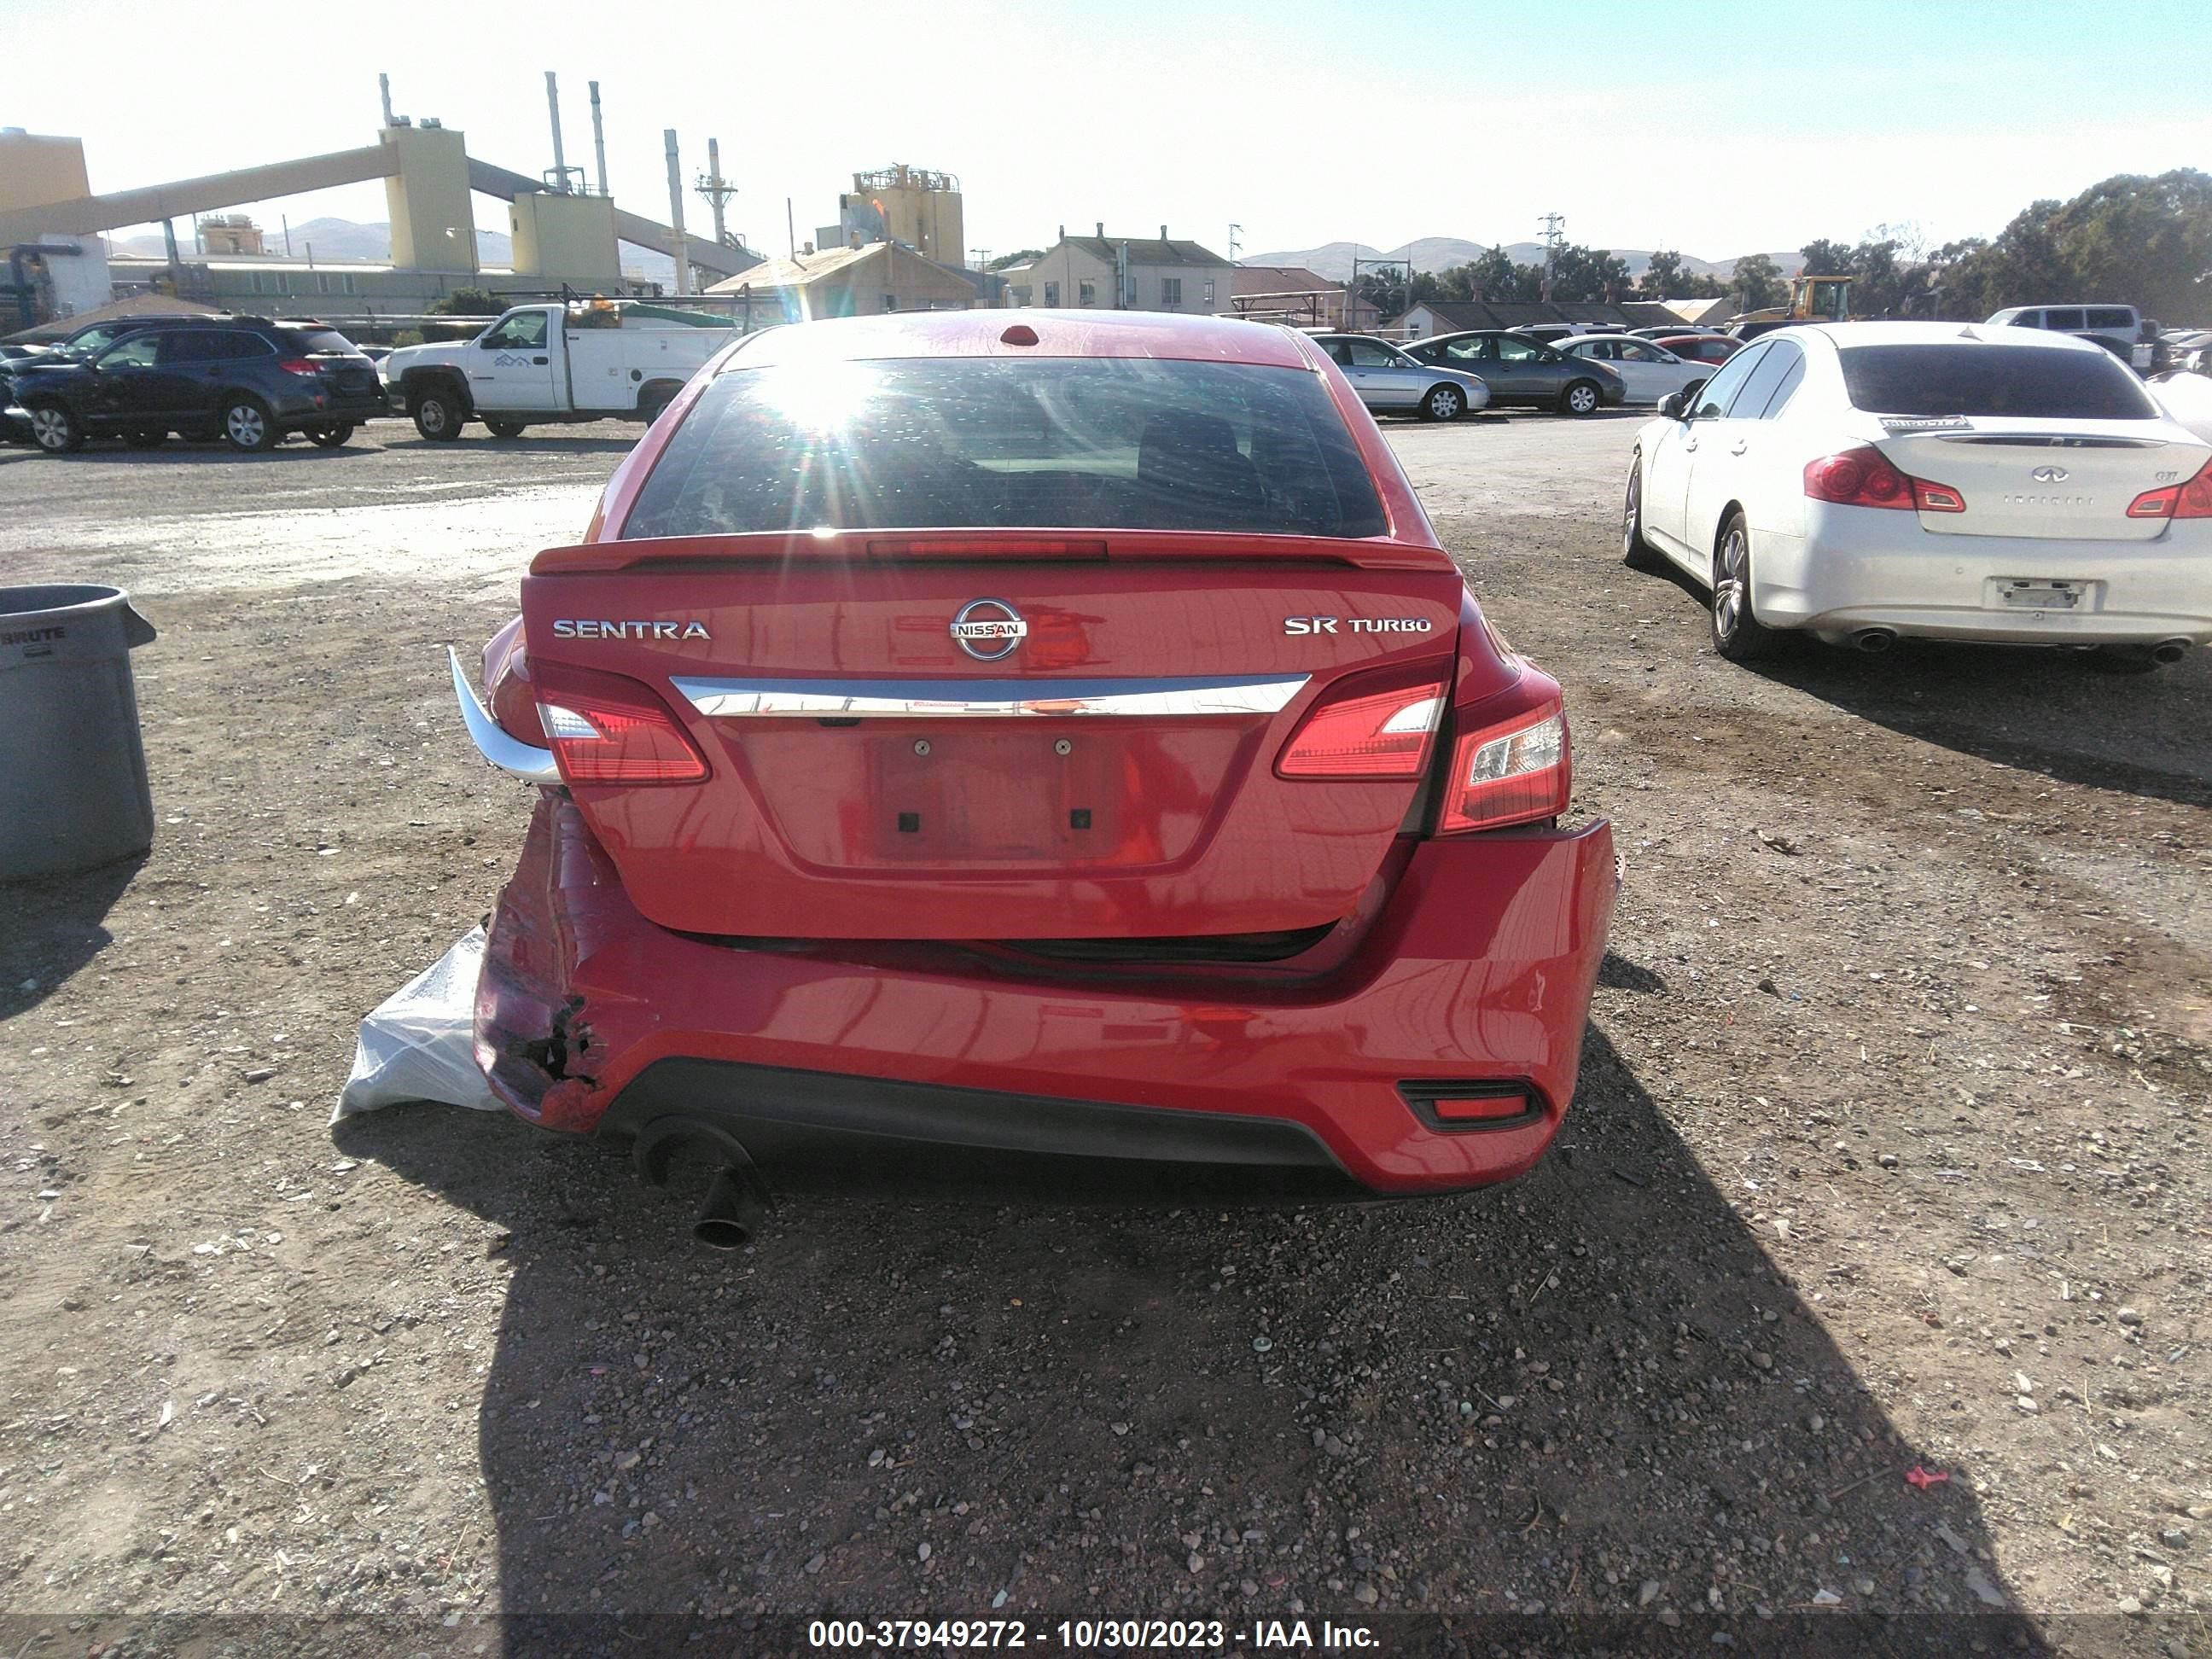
1860	481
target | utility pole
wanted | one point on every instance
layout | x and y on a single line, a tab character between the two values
978	258
1555	236
712	186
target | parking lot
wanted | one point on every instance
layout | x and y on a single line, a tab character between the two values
1889	1153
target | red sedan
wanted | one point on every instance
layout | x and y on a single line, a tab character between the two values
1057	747
1714	349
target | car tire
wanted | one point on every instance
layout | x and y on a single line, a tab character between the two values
504	428
1738	635
247	428
1582	398
437	417
56	429
146	437
334	436
1443	402
1636	553
654	401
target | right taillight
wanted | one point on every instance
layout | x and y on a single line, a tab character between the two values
604	729
1516	772
2190	500
1866	477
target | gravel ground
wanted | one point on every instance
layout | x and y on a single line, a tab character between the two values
1889	1154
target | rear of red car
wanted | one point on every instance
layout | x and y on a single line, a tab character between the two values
1058	749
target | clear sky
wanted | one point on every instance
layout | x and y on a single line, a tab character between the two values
1718	127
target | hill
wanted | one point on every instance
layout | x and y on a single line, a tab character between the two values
1436	253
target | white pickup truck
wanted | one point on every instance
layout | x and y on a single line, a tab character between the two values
543	364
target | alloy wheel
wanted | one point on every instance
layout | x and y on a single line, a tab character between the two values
1728	578
1582	400
245	426
1443	402
1631	511
50	428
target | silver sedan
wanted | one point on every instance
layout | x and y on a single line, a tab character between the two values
1389	381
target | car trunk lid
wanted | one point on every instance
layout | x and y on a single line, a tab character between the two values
2024	477
995	735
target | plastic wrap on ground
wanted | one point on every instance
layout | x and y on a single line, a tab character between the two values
420	1042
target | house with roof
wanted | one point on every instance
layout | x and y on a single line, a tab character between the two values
1299	297
854	281
1124	273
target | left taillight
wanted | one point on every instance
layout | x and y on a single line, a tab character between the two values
1517	771
305	366
1367	735
606	729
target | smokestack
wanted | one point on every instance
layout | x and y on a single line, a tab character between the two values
1164	233
1101	228
384	91
599	140
714	187
681	247
553	109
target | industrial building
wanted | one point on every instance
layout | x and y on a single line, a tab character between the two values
854	281
900	204
1124	273
563	237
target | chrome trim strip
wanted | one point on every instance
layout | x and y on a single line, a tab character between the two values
510	755
988	699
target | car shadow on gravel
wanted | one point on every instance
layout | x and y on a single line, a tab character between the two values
1591	1393
55	927
2036	710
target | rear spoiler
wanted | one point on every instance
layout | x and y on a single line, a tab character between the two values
694	553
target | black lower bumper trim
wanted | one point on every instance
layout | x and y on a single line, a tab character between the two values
812	1129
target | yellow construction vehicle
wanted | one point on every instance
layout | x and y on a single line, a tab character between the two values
1812	300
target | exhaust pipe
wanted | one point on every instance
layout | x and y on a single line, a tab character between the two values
1873	641
731	1213
2166	652
736	1205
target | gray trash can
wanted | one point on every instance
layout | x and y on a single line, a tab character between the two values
73	790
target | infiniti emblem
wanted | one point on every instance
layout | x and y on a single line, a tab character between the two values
2050	475
987	629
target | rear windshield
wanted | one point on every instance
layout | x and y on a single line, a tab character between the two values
322	342
1080	442
2034	381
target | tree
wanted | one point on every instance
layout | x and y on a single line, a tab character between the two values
1663	276
1756	282
466	302
1006	260
1586	274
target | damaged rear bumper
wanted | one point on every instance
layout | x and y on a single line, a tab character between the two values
825	1060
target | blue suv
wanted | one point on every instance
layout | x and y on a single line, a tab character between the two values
245	380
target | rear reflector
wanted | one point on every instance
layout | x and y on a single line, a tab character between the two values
1479	1108
606	729
2191	500
1517	772
1481	1105
1379	734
